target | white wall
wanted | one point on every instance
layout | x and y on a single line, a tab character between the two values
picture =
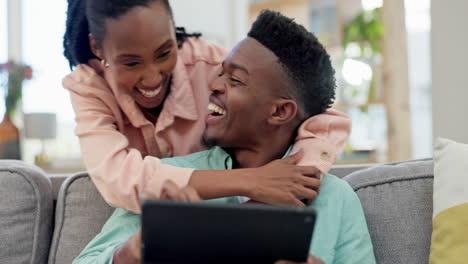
224	22
449	69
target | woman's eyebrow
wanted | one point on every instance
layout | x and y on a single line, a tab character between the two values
128	56
164	45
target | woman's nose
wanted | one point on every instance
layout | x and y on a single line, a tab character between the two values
152	77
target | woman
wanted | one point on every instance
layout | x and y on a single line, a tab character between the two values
139	89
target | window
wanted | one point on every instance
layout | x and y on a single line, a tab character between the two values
418	25
43	29
3	44
3	31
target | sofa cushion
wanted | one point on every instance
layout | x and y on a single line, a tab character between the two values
26	213
80	214
450	217
397	202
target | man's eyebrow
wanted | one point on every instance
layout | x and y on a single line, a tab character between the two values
236	66
164	45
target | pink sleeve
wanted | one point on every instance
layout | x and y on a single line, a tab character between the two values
322	139
120	173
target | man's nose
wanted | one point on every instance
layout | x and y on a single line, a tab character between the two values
217	85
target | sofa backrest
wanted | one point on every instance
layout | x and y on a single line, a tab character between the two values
397	202
26	213
79	215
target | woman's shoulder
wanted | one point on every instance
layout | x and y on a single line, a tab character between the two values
196	49
83	75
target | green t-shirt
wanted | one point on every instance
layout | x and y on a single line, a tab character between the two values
340	235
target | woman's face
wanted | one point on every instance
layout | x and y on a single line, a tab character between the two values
141	50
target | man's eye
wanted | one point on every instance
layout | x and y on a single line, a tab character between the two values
220	74
235	80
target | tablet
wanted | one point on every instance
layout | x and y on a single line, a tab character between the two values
178	232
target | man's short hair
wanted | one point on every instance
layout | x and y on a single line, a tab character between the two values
304	60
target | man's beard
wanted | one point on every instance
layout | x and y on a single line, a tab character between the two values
209	142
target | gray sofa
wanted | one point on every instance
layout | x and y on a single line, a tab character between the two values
46	219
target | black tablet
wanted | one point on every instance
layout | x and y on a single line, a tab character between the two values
177	232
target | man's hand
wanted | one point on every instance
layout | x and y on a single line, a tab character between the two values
310	260
130	252
283	182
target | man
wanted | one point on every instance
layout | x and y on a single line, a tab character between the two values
272	81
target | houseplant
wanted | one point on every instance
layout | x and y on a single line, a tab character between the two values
12	76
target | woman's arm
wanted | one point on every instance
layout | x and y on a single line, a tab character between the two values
121	173
322	138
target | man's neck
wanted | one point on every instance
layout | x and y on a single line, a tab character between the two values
266	150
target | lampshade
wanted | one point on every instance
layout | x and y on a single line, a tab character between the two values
40	125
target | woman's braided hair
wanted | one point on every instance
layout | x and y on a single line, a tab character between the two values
88	16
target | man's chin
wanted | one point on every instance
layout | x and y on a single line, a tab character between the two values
209	142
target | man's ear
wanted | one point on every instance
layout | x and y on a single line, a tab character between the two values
282	112
94	47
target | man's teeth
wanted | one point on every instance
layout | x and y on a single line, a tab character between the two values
149	94
217	109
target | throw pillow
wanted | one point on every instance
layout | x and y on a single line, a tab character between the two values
450	216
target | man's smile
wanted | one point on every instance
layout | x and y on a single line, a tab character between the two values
215	113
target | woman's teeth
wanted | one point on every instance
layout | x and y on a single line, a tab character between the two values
150	94
216	109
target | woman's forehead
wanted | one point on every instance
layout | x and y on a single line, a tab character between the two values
139	28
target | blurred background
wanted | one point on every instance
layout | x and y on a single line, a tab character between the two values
383	51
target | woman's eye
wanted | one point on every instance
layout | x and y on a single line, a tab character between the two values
220	74
165	54
131	64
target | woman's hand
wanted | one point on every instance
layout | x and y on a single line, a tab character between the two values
170	191
310	260
283	182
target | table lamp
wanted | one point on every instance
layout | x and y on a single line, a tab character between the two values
40	126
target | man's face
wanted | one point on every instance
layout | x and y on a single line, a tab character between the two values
242	96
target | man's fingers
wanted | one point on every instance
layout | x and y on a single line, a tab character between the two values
294	158
297	202
314	260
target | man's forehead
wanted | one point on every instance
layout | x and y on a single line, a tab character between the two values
251	54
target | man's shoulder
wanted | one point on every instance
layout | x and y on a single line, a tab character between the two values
203	160
336	189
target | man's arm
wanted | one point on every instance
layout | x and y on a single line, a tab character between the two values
120	238
354	245
117	230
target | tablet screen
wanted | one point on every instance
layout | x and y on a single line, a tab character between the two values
178	232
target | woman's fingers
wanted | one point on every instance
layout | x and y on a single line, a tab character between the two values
309	182
306	193
171	191
310	171
294	158
191	194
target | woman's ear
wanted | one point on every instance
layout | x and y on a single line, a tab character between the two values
282	112
94	47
